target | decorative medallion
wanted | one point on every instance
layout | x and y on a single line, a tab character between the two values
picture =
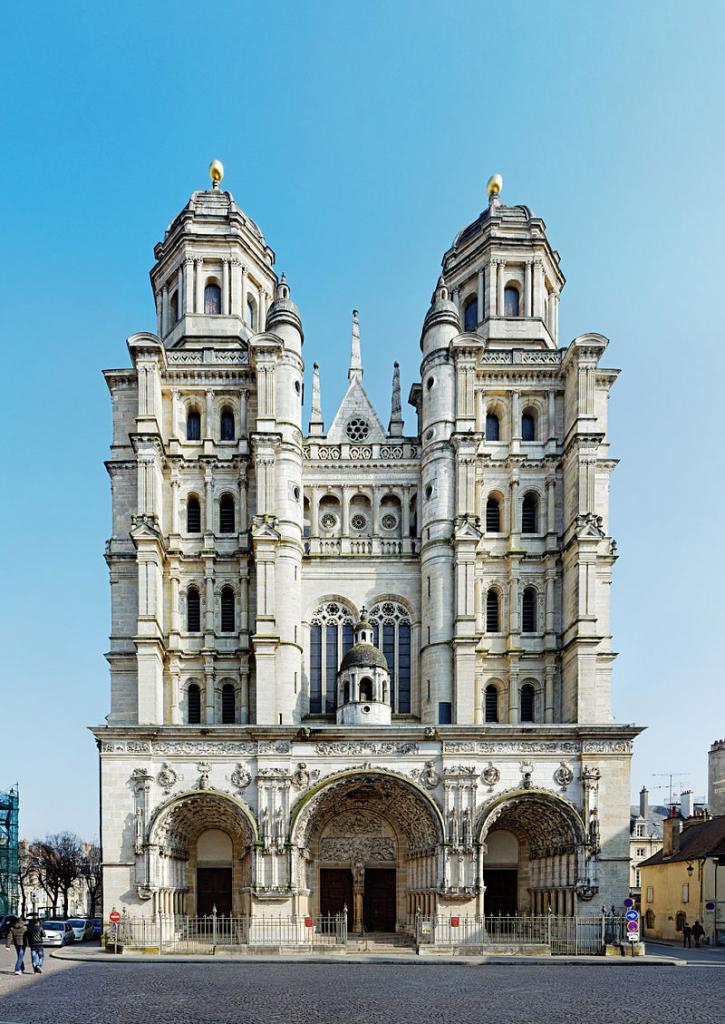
204	770
303	777
427	776
563	776
240	777
167	778
490	775
358	521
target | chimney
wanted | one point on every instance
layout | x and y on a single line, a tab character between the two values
643	803
686	803
671	828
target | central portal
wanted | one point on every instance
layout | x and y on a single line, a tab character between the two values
379	900
336	892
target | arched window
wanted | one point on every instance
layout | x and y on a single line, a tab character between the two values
331	637
528	611
193	425
391	634
193	704
173	308
212	299
251	316
493	515
527	703
229	704
226	424
470	314
193	514
226	514
510	301
227	610
530	513
649	920
493	430
528	427
366	688
193	610
491	698
493	623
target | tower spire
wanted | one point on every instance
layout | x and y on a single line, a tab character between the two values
356	368
395	427
317	425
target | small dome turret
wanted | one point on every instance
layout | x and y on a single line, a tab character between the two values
363	681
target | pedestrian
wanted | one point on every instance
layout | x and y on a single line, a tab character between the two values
35	941
17	935
686	935
697	932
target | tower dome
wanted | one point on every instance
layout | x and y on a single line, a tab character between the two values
363	681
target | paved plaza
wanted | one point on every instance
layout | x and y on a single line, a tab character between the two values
363	993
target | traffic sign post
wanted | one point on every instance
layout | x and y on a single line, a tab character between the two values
114	917
632	918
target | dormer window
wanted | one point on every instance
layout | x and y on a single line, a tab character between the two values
212	299
470	314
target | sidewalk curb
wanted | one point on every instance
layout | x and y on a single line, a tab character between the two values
371	958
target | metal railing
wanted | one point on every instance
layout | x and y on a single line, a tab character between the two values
562	936
213	932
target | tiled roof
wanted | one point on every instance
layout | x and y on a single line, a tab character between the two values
706	839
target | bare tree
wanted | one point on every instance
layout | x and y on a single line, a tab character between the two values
90	870
58	863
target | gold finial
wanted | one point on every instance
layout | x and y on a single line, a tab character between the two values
216	172
494	184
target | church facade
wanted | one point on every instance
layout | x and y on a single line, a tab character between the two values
361	666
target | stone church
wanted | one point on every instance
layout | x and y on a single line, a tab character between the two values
359	665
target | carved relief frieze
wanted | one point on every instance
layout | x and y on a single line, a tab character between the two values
366	850
347	749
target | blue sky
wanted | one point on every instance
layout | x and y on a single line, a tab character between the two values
360	138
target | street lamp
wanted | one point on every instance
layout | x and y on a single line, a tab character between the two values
690	868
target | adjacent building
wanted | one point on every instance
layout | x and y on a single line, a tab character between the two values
645	839
360	664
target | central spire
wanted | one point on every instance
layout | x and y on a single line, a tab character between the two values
356	368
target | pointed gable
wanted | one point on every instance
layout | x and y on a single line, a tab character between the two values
356	406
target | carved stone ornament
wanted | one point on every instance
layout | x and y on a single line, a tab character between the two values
427	776
585	891
591	776
527	771
563	776
240	777
204	770
490	775
167	778
140	778
303	777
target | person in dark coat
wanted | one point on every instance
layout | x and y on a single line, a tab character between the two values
686	935
697	932
17	935
34	936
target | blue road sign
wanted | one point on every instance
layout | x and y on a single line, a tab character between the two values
632	915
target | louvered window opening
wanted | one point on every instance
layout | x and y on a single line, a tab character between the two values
527	703
227	425
229	709
528	611
227	610
491	703
528	427
226	514
529	514
193	426
492	427
193	516
193	611
492	612
194	705
493	516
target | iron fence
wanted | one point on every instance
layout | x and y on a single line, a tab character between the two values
209	934
570	936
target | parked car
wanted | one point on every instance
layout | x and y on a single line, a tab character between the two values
97	927
6	923
82	928
57	933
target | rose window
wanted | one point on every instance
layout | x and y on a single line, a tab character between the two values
358	521
389	521
328	521
357	429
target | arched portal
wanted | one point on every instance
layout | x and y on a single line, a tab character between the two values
368	841
532	843
200	843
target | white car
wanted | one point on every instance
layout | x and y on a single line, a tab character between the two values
57	933
82	928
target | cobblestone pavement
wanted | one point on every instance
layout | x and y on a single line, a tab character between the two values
233	993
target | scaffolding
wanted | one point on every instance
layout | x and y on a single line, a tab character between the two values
9	862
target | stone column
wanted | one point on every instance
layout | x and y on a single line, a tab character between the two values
514	517
243	293
159	323
180	290
550	596
538	287
501	285
515	416
314	512
405	514
551	504
209	691
491	294
555	316
345	512
189	285
175	585
209	425
236	294
175	698
208	501
527	288
199	276
174	523
514	694
226	298
551	414
165	310
480	313
549	671
209	599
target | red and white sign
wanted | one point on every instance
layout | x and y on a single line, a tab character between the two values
114	917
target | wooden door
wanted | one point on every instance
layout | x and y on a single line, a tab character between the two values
379	900
336	891
213	889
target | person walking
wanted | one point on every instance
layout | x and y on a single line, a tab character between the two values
35	941
686	935
17	935
697	932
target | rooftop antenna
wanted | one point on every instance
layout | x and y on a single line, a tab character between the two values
669	776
